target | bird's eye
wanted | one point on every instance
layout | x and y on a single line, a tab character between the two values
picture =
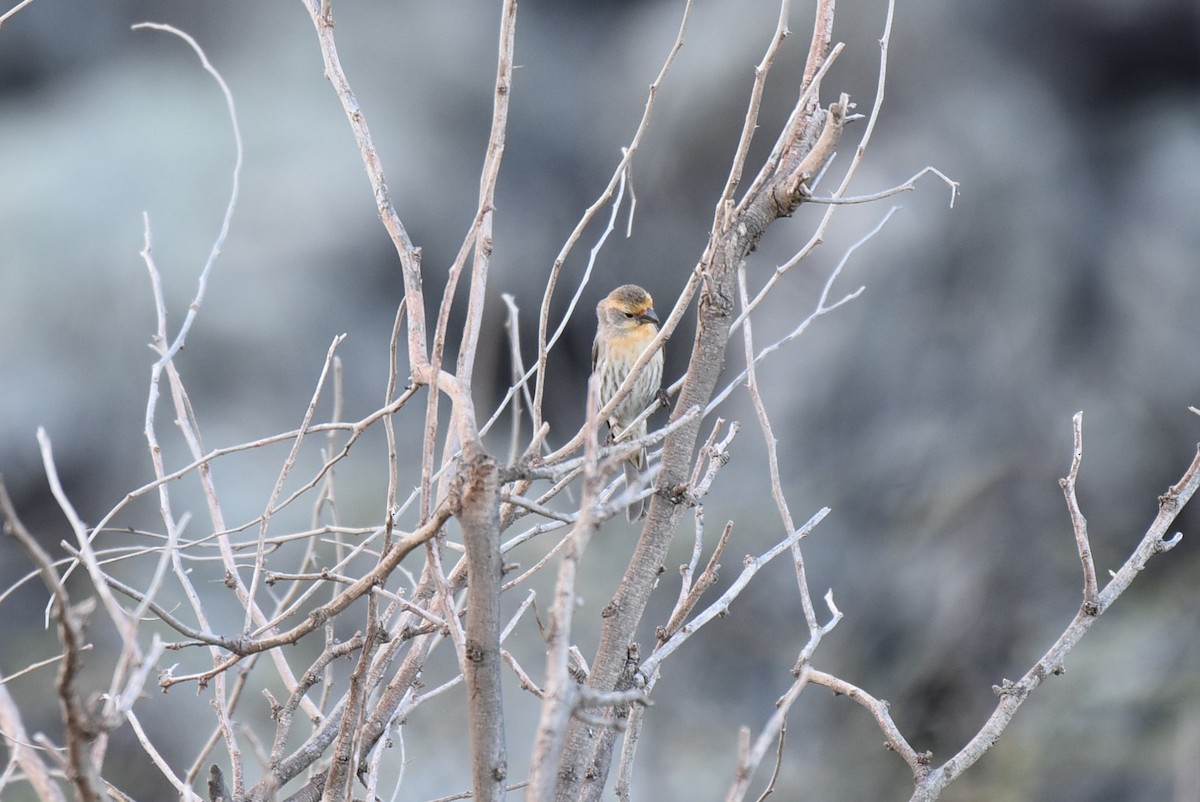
629	315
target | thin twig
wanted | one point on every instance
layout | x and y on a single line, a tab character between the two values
502	92
7	15
23	756
778	764
750	756
260	551
878	709
409	254
202	282
750	124
907	186
751	566
561	692
1078	522
772	442
512	326
82	727
181	787
379	573
467	794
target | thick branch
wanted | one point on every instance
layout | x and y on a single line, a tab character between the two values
479	515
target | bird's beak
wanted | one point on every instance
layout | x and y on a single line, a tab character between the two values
649	316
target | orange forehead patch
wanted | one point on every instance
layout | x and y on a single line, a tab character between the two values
631	297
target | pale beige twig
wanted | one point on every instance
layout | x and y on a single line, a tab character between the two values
120	617
764	422
750	567
387	563
7	15
467	794
185	793
797	132
907	186
751	755
6	678
770	789
527	682
561	692
83	729
409	254
202	282
389	428
782	270
878	709
260	551
823	308
23	756
490	173
750	124
1078	522
818	235
512	327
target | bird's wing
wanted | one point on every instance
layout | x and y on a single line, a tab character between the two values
595	351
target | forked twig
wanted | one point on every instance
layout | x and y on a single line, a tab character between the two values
202	283
1013	694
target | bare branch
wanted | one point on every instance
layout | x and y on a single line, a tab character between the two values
260	551
1078	522
919	763
907	186
772	442
185	793
770	789
7	15
477	498
518	368
202	282
561	693
750	125
410	255
23	755
1013	694
317	617
82	727
487	192
751	566
750	756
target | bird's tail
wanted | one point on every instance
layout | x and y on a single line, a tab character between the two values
637	508
633	470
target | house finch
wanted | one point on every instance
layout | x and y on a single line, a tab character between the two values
626	325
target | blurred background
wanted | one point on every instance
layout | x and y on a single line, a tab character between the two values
932	414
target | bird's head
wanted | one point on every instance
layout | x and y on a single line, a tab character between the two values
626	308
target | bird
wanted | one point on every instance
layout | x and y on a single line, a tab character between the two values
626	324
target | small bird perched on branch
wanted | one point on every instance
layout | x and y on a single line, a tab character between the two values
627	323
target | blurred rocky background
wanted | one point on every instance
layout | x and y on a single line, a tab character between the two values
932	414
